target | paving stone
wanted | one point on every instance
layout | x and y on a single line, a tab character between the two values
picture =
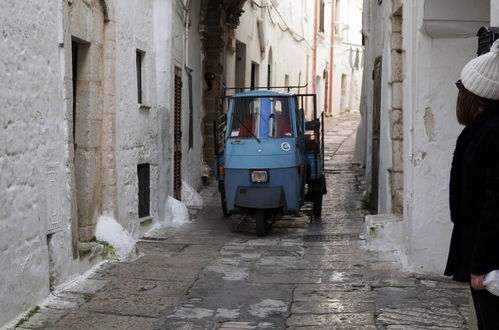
88	286
155	273
331	307
337	326
229	294
291	276
168	262
161	248
122	303
84	320
67	300
337	286
343	319
331	264
434	317
231	325
147	287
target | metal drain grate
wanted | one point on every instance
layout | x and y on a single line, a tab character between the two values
331	237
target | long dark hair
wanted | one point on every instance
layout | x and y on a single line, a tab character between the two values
470	105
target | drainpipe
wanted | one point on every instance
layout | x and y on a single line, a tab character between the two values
316	28
331	57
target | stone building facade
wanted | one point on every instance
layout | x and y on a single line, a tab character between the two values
415	51
107	108
86	132
348	56
282	43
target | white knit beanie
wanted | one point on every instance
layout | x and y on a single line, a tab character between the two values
481	75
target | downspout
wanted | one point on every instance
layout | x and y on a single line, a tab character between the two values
331	57
314	66
186	32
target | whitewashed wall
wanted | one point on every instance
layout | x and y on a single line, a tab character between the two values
291	55
494	13
430	132
163	42
136	129
33	187
348	40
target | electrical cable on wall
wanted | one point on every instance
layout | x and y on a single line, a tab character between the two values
296	36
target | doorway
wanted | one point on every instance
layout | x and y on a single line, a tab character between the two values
240	65
376	133
177	136
86	123
343	99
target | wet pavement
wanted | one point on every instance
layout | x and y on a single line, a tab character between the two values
214	273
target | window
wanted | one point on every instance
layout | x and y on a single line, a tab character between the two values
321	16
261	117
143	172
269	76
139	63
177	135
191	109
254	75
74	54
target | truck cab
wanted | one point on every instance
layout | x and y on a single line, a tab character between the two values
263	165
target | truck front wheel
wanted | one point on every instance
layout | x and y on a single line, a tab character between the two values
261	223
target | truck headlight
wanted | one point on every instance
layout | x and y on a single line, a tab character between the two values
260	176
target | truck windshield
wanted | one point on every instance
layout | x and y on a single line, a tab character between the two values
261	117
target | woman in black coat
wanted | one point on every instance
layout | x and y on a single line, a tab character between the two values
474	185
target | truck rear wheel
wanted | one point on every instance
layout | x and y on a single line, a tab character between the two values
223	200
261	223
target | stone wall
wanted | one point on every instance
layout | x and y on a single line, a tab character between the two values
396	123
212	36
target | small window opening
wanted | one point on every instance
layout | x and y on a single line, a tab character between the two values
254	75
139	63
191	109
269	76
143	171
321	16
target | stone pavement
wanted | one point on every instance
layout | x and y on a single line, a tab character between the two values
214	273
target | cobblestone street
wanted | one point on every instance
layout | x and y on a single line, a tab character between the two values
215	273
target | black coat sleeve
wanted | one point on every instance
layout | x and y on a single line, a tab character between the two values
486	251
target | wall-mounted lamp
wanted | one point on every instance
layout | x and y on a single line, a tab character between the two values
209	77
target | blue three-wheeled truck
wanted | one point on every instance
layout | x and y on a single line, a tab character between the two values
269	157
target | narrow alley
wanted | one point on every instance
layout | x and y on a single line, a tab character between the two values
214	273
